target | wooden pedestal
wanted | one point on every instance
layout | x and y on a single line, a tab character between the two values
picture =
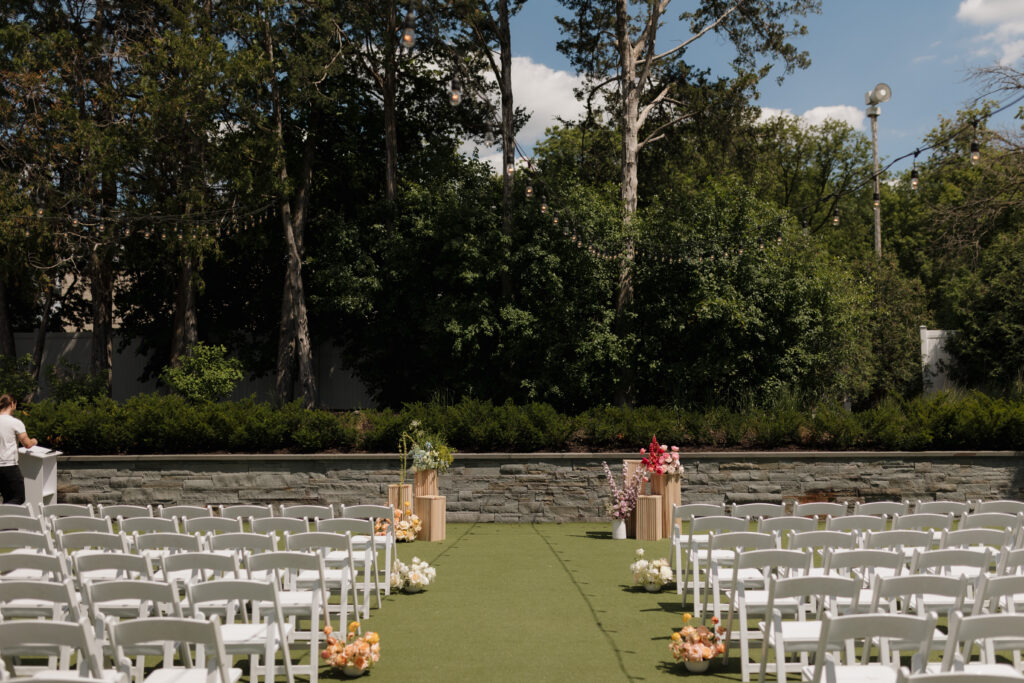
426	483
669	487
431	511
399	495
631	467
648	518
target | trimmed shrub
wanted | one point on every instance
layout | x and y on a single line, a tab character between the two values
205	374
16	377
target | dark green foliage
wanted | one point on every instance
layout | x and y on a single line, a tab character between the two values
205	374
16	376
69	382
170	424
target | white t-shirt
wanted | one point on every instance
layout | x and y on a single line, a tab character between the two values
10	427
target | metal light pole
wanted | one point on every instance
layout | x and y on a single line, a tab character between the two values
881	93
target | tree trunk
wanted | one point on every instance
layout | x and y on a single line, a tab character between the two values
6	332
185	333
101	287
293	334
507	137
390	120
630	93
39	344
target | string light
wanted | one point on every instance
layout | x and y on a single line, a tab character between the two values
543	205
835	216
455	97
529	191
913	172
408	39
510	167
876	200
975	149
554	220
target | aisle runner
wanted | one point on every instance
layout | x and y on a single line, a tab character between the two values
522	602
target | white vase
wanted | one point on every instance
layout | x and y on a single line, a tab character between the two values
698	667
413	588
351	671
619	529
652	587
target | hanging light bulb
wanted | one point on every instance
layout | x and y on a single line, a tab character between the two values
74	222
510	167
975	152
835	216
455	98
760	243
913	177
778	237
39	213
876	200
488	139
529	191
543	205
408	39
554	220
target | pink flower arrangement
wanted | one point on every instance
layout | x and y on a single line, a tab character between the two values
697	643
624	499
660	460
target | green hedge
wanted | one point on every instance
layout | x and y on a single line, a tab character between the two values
170	424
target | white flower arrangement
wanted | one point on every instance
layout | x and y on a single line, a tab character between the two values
654	572
412	577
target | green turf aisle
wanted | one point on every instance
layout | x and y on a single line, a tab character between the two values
522	602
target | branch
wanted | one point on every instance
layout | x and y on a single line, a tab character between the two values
647	37
334	58
710	27
642	117
654	134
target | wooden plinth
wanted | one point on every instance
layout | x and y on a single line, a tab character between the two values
670	488
399	495
426	483
431	511
631	467
648	518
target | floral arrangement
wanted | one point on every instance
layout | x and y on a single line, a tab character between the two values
358	652
412	577
656	572
427	450
697	643
660	460
624	498
407	525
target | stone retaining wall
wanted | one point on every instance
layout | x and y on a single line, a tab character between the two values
548	487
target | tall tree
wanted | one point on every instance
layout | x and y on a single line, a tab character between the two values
612	43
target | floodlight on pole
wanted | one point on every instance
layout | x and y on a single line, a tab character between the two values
874	97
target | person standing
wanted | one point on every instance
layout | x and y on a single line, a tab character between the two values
12	433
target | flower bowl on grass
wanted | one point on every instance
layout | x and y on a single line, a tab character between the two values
696	646
651	574
356	654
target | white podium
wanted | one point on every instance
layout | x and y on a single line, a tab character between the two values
39	467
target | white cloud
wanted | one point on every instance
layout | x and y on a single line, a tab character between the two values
546	94
818	115
1007	17
923	58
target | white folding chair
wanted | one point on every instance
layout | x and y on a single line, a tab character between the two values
747	603
755	510
840	636
279	525
856	522
376	513
56	601
864	565
985	630
110	566
336	551
887	508
20	541
943	507
1011	507
263	631
246	511
210	526
66	510
33	567
364	552
1011	561
137	636
124	511
302	593
23	523
183	512
181	569
934	523
307	512
701	529
683	515
148	525
75	523
159	544
821	510
782	525
815	595
55	640
991	520
88	542
721	555
977	539
905	676
242	544
904	541
22	510
920	594
817	543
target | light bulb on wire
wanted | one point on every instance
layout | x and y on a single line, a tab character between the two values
876	200
975	149
529	191
408	39
835	216
543	205
913	172
455	97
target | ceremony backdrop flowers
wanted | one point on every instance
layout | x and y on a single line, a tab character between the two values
697	643
659	460
624	499
428	450
407	525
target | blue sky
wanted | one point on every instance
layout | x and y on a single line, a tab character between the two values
923	49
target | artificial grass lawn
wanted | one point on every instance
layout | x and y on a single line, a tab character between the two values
537	602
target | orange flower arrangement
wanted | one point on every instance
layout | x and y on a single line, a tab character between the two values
354	655
697	643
